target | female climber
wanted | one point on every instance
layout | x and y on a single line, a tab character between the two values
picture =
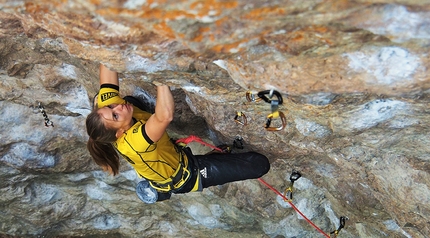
116	126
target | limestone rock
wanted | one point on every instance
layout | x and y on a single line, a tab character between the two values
354	80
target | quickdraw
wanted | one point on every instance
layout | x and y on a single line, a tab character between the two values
276	114
250	96
288	193
238	142
274	105
42	110
240	118
342	221
271	93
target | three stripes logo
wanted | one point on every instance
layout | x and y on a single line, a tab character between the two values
204	172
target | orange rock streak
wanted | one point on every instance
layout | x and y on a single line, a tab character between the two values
261	13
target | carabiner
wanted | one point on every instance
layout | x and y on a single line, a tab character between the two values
251	97
342	222
40	107
49	123
295	175
288	194
238	142
239	115
289	191
262	95
275	115
341	225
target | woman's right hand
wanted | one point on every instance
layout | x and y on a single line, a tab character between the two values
164	111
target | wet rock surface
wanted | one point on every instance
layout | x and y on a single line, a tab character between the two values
354	81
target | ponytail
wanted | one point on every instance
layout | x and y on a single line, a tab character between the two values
100	143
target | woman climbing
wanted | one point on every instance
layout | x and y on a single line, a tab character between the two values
116	126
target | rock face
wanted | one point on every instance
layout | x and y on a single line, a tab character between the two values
354	80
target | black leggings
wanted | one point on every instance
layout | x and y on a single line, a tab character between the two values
220	168
225	168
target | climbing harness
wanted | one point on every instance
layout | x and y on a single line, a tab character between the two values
293	177
42	110
240	118
178	178
342	220
288	193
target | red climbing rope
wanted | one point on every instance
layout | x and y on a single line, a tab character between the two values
293	206
193	138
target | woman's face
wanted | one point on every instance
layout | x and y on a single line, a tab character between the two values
117	116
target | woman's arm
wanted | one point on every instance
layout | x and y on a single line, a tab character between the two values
107	76
164	110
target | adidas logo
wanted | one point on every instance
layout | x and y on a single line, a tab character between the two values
204	173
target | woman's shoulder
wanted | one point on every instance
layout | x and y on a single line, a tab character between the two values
133	139
141	115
